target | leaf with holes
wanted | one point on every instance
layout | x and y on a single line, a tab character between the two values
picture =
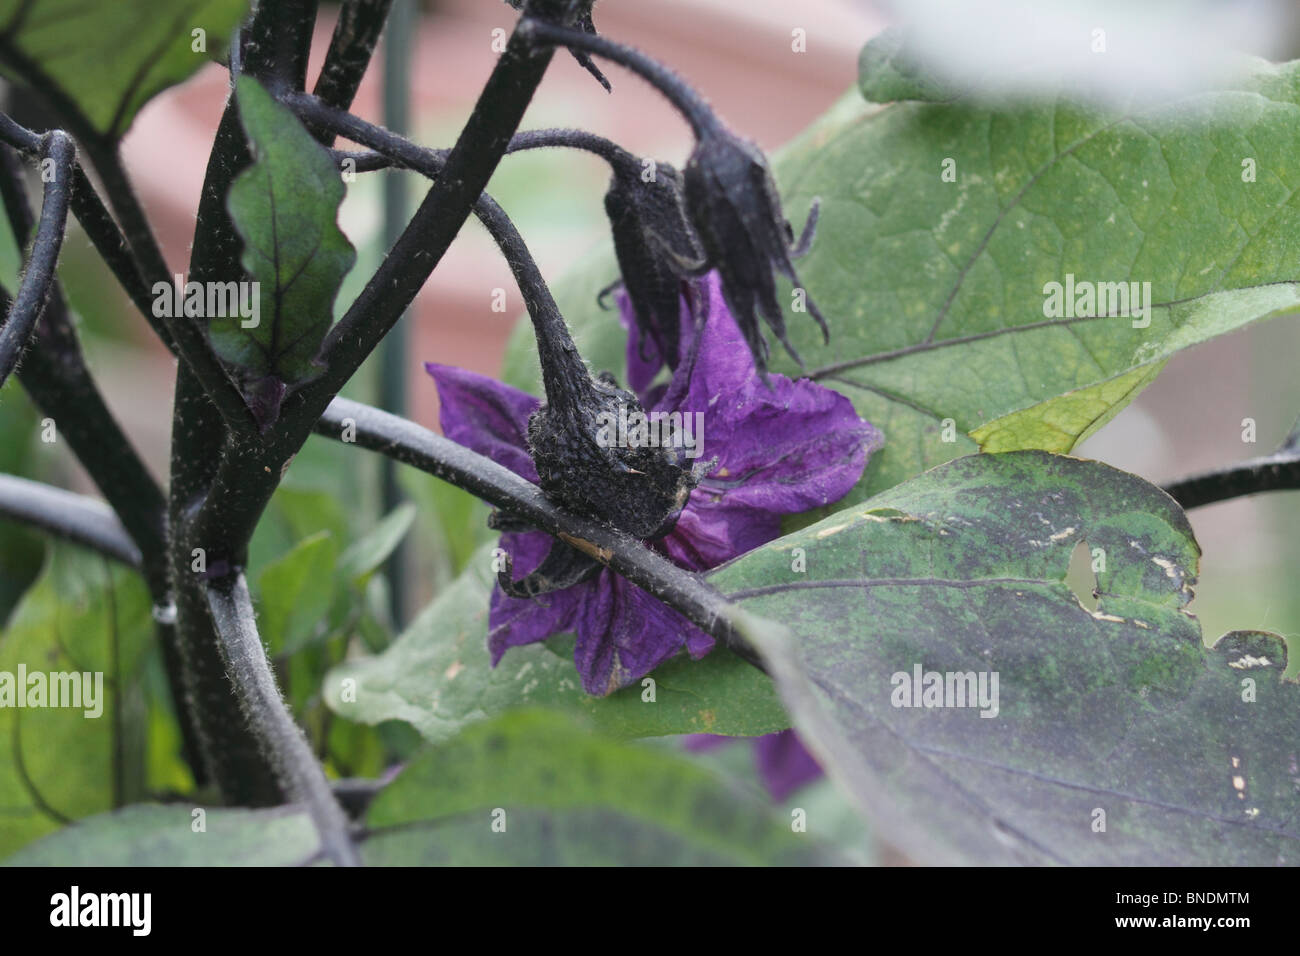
98	63
285	208
1048	733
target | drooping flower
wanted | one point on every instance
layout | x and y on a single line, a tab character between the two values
657	249
772	451
736	209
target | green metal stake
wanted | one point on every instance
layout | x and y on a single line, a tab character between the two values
398	38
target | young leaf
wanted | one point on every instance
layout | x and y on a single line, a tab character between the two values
438	677
295	592
103	61
365	555
285	208
1113	736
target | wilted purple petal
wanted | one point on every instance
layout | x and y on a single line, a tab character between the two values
780	450
517	621
624	633
485	415
643	358
784	763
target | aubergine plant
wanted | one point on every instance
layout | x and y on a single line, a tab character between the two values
863	535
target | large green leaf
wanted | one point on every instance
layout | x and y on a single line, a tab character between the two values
1189	752
528	788
934	290
285	208
105	60
150	835
438	677
88	616
565	796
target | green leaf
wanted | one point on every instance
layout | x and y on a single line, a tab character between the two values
296	513
150	835
565	796
1190	753
562	794
285	209
886	73
103	61
295	592
88	616
365	555
934	290
438	677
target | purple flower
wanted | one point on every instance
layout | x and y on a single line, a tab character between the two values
783	762
777	451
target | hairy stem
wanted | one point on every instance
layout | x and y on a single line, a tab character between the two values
250	472
201	441
351	47
38	277
55	375
407	442
72	517
99	225
259	698
689	103
553	338
1279	471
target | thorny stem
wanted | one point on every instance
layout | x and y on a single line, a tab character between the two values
689	103
296	766
38	277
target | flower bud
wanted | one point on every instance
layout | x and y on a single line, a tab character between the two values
733	203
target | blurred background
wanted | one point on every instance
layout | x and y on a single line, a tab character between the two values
739	54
